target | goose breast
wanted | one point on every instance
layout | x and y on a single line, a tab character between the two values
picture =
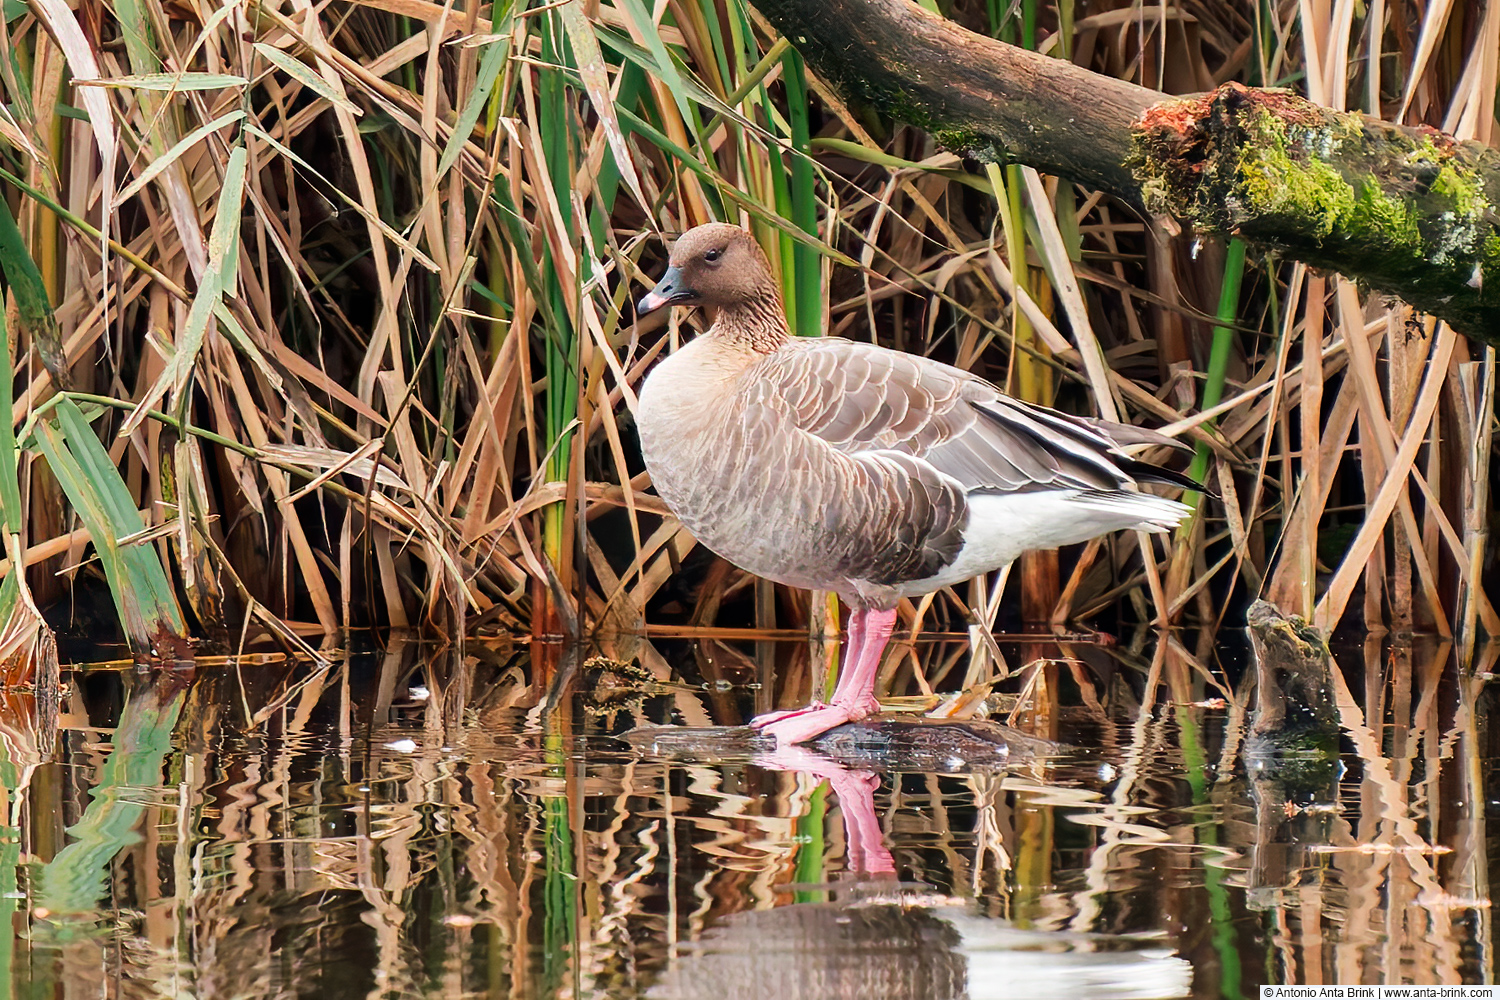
771	471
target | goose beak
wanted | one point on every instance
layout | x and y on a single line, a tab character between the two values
668	291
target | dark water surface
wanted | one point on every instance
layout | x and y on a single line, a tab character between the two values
411	824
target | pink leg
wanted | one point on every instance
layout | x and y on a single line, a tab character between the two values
854	698
851	650
856	688
867	850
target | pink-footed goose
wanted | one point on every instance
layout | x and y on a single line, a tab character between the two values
836	465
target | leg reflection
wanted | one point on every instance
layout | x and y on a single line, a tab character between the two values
856	791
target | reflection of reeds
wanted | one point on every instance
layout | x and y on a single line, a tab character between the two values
457	854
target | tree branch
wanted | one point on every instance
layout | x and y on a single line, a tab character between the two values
1408	211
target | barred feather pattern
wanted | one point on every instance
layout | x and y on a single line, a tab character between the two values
838	465
831	464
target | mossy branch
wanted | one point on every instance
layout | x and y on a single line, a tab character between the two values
1406	211
976	95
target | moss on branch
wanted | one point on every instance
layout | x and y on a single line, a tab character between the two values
1406	211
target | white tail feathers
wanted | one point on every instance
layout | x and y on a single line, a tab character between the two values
1003	525
1150	512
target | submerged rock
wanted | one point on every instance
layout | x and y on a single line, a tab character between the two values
1294	732
877	744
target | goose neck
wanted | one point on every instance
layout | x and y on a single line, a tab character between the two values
759	324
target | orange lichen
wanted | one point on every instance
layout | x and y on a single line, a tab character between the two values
1177	116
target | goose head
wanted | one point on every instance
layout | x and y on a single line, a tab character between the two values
716	265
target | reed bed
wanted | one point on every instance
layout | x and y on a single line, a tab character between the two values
320	315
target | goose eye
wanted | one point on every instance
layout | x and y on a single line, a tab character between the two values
713	255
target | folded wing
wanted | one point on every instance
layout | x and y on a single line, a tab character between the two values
859	399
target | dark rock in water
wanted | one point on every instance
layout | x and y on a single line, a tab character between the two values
716	741
873	744
1293	670
930	746
1291	754
608	685
1294	730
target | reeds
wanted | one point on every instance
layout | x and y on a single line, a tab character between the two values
356	280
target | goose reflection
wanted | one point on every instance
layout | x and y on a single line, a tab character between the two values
895	940
855	788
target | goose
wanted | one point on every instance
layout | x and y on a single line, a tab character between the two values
830	464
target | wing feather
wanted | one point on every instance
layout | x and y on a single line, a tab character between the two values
861	398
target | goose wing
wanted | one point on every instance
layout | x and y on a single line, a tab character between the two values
861	398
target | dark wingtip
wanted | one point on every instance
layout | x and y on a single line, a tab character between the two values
1146	472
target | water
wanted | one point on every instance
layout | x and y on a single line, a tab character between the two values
400	825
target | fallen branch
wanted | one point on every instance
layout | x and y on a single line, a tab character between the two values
1406	211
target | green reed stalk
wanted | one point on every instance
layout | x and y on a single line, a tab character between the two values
1223	342
805	307
1221	917
559	878
561	355
1032	378
1065	29
810	869
709	11
10	863
31	300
